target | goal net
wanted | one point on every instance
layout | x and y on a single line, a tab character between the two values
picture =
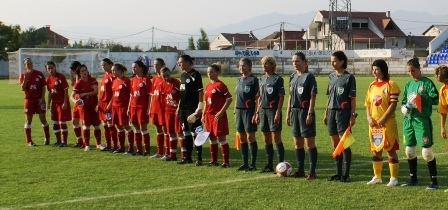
61	57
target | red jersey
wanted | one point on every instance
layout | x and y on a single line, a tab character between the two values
56	86
106	87
82	86
140	91
215	96
34	85
157	100
171	92
121	88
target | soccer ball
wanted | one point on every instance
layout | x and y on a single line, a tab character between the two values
283	169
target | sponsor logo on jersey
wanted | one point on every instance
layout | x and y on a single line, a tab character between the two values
377	100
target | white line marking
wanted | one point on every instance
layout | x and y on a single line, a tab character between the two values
164	189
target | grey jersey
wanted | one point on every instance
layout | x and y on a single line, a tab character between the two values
271	89
246	92
301	88
340	89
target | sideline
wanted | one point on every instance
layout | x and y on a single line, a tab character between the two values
168	189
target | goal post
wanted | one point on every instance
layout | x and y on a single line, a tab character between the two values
61	57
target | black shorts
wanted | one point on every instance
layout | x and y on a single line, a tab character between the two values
267	121
244	120
298	123
185	125
337	121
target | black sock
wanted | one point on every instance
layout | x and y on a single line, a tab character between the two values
432	167
300	158
199	152
280	152
312	155
253	152
338	163
244	153
413	169
189	147
269	148
347	161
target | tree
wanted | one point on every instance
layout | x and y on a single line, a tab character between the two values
191	44
203	43
32	38
9	39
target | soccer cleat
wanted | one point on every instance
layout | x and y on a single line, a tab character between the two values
225	165
165	157
146	153
139	153
77	145
184	161
118	151
251	168
298	174
375	181
56	144
410	182
310	177
87	148
63	144
156	156
198	162
432	186
345	179
46	142
213	164
392	182
171	159
334	178
129	152
31	144
241	168
267	169
100	147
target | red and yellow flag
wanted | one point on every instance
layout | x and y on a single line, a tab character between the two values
346	141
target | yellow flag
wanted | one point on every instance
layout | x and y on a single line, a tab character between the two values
346	140
237	141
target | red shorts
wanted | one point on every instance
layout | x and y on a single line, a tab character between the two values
102	105
60	115
89	116
157	118
139	115
216	129
32	106
76	112
172	122
120	115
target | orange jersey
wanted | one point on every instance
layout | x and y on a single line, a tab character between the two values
379	96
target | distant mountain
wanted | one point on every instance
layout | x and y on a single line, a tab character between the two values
263	25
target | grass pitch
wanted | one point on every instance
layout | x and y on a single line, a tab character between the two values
45	177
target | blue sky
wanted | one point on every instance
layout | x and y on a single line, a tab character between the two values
105	20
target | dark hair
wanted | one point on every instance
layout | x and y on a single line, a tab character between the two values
187	58
247	61
50	63
442	73
161	61
108	61
143	66
414	62
75	65
165	69
342	57
380	63
216	67
302	57
120	67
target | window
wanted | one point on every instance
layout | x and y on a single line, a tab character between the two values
364	25
356	25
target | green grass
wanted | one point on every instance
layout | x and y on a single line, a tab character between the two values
44	177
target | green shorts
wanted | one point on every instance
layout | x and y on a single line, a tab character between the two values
417	131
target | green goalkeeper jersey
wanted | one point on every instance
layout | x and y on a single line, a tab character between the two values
428	93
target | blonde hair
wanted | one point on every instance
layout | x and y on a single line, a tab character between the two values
270	60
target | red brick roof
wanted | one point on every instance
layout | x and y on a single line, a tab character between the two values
292	39
240	39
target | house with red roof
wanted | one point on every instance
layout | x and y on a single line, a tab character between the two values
232	41
289	40
370	30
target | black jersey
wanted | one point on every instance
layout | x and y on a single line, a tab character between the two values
190	85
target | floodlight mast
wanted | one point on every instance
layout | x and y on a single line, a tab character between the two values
340	25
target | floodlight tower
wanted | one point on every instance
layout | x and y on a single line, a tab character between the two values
340	24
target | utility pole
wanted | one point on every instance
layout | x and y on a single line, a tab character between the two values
152	39
340	24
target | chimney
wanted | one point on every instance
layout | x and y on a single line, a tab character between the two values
388	14
47	26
